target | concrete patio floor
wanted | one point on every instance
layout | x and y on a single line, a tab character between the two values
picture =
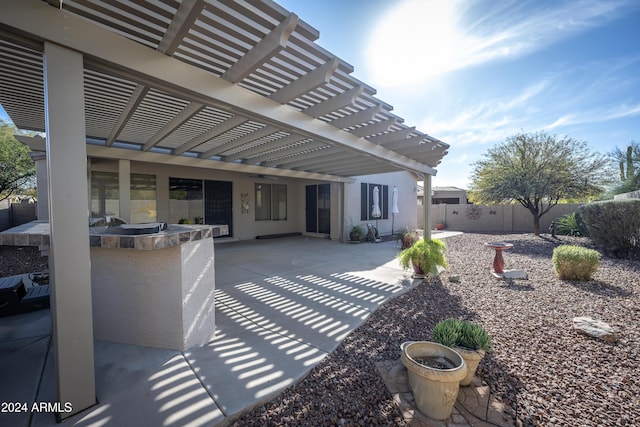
282	305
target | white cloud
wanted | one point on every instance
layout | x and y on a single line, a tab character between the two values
485	122
597	115
419	38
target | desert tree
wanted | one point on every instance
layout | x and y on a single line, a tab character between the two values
538	170
17	169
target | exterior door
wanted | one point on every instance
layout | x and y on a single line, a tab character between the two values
318	208
218	204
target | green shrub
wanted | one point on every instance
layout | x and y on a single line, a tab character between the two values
446	332
474	336
462	333
427	254
582	227
567	225
614	225
574	262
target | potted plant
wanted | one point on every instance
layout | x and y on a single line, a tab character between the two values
425	256
357	233
469	339
408	237
434	373
440	224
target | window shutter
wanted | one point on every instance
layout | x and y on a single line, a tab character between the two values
364	202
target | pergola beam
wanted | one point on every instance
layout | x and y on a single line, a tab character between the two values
335	160
311	80
308	158
355	119
389	137
375	128
134	101
260	149
191	110
271	44
291	151
245	139
185	16
129	59
412	141
38	144
223	127
335	102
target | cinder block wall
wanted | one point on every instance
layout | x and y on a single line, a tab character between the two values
493	218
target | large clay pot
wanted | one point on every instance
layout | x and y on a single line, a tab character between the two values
418	272
472	358
435	390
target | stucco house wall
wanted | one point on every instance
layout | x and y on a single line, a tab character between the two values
345	199
406	184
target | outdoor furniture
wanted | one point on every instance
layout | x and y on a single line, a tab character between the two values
16	298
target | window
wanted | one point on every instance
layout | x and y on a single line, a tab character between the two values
143	198
367	200
105	194
279	197
271	202
186	204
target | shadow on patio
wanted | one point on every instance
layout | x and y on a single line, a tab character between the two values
281	307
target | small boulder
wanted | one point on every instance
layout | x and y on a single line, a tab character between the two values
515	274
595	328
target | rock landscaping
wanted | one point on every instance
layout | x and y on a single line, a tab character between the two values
541	368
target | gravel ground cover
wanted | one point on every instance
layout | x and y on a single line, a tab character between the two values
21	259
548	374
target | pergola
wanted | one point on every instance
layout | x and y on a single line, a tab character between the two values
218	84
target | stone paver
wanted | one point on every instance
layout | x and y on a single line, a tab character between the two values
476	406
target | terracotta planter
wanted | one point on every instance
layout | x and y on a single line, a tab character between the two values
472	358
435	390
418	272
407	241
439	226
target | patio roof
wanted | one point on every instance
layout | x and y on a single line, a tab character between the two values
221	84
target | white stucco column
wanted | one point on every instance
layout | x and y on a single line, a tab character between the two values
124	187
42	187
69	262
427	206
162	196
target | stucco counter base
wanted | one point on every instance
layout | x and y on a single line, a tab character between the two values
156	298
155	290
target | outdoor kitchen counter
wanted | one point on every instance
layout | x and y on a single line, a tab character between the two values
36	233
154	290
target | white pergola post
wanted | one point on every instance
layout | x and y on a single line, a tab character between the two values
426	200
124	187
69	261
40	159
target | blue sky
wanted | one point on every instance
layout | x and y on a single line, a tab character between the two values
473	72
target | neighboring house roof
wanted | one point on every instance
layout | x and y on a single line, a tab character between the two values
448	189
218	84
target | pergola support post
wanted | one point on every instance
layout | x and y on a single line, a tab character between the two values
69	261
124	189
426	199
